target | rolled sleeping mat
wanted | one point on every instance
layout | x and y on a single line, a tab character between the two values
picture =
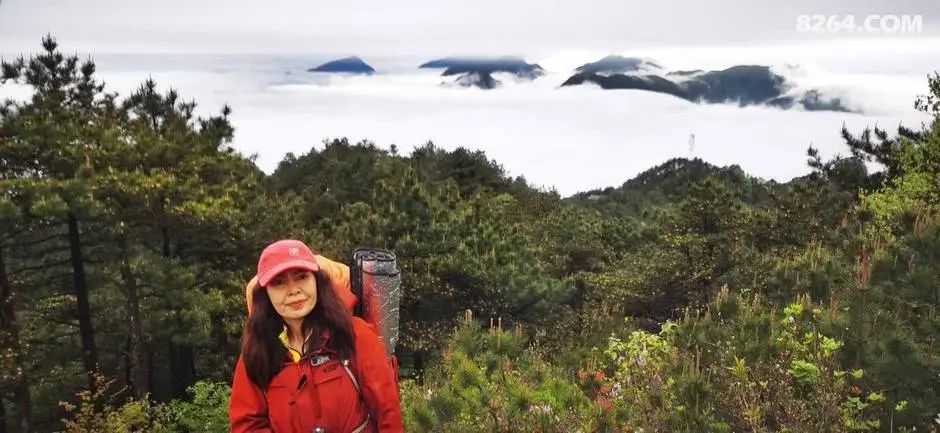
376	281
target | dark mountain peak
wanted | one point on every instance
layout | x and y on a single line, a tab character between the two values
615	64
350	65
482	80
446	62
478	70
505	63
653	83
744	84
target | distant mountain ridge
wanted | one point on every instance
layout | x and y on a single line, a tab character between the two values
744	84
618	64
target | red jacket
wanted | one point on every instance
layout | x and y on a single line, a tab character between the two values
303	396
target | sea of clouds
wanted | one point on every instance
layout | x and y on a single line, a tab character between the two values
570	139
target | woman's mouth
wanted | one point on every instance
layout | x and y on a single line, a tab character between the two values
297	304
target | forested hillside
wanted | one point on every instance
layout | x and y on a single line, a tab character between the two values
691	298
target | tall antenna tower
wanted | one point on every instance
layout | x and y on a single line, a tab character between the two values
691	145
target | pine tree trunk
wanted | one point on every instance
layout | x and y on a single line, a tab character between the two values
182	356
23	399
126	356
418	360
9	329
150	369
137	347
89	353
165	247
4	295
182	368
3	416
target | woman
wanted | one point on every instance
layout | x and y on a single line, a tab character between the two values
307	365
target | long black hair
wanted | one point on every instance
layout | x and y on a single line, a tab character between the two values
262	351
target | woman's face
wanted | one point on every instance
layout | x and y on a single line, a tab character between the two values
293	293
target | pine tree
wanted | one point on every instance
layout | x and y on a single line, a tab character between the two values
46	141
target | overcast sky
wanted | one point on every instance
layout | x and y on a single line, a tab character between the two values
371	27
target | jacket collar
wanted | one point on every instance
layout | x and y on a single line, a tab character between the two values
296	356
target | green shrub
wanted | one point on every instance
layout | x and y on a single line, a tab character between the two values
491	381
94	412
207	411
740	366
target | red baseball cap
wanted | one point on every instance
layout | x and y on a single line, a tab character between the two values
283	255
